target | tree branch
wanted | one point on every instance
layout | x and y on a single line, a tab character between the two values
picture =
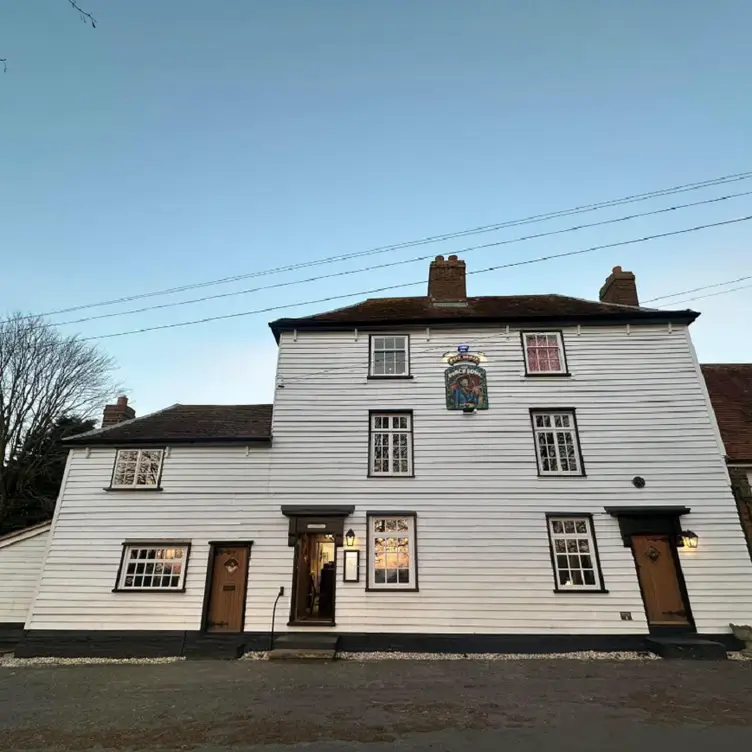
86	17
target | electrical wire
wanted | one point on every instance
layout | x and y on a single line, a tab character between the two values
697	289
419	282
712	294
712	182
412	260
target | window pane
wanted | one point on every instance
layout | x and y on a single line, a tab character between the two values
569	526
581	526
589	577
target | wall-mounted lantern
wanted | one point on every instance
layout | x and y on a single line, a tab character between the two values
350	538
689	539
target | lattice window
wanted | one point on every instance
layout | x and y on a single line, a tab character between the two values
390	356
392	551
573	553
153	566
544	352
556	443
391	444
137	467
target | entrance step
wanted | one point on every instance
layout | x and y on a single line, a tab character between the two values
312	654
306	641
693	648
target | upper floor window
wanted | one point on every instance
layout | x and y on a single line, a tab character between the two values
391	444
135	468
556	443
544	353
574	554
391	552
153	566
390	356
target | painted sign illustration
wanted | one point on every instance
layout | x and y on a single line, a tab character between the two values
466	387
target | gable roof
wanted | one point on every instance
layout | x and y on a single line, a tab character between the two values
518	309
27	532
730	389
186	424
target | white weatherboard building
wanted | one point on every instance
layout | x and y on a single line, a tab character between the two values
436	473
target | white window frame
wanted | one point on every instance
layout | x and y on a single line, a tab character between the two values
120	457
406	521
562	355
584	543
392	433
152	558
374	339
571	429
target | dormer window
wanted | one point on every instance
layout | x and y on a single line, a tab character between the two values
390	356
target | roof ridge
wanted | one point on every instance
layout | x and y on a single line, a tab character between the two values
104	429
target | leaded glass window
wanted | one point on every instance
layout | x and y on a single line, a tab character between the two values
391	443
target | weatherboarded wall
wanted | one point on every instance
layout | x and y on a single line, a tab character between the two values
483	553
21	557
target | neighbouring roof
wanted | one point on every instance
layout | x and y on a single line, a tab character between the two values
27	532
186	424
518	309
730	388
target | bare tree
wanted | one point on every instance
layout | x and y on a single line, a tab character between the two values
45	377
85	16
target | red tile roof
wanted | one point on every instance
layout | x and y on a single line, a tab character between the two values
730	388
187	424
530	309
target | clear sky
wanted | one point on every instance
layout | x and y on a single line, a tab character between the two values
181	141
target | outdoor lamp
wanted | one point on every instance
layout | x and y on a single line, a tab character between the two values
689	539
350	538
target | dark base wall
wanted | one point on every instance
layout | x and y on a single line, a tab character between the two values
10	635
138	644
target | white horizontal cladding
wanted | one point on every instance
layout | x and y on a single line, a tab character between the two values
20	566
638	399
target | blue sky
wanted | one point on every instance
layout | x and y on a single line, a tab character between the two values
181	141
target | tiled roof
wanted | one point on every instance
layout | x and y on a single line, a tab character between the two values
511	309
187	424
730	387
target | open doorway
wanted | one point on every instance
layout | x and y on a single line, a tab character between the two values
314	579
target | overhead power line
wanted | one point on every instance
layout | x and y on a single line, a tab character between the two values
686	187
414	259
712	294
697	289
420	282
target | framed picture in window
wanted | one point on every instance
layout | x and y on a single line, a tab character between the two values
352	566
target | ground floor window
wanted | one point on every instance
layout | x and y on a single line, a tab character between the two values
153	566
574	553
392	555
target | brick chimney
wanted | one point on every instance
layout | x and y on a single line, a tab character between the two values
446	279
620	287
117	413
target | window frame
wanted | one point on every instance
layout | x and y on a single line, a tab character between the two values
134	486
412	535
600	586
559	334
371	361
410	449
122	572
575	430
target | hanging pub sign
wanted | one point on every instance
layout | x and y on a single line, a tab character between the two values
465	380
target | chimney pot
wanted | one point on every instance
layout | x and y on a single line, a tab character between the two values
446	279
117	413
620	287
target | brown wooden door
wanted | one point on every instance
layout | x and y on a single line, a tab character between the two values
659	580
226	602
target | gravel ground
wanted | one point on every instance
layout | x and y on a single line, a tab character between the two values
377	706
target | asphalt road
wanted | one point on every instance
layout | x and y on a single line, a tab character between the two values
377	706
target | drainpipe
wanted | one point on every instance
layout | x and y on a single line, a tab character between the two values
274	614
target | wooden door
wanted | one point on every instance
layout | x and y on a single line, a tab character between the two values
659	580
226	599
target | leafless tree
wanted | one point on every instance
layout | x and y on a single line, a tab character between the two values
45	377
85	16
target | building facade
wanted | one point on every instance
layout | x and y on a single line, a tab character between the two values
443	472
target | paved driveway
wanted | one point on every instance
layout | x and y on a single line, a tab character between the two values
377	706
